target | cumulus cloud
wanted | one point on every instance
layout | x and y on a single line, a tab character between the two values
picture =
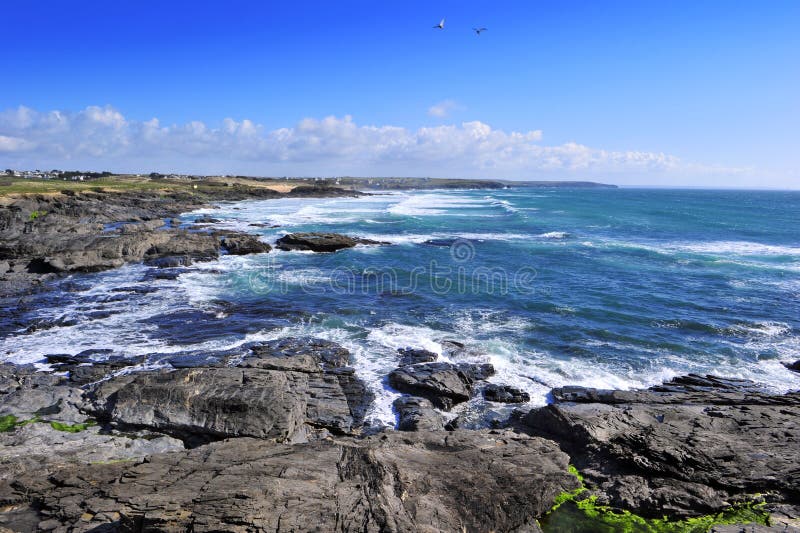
101	137
442	109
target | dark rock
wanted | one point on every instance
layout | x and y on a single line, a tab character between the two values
320	242
688	447
205	219
173	261
444	384
417	414
264	225
317	191
65	359
243	244
505	394
794	367
413	356
461	481
92	353
476	371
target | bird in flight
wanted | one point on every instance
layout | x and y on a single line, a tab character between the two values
439	26
479	30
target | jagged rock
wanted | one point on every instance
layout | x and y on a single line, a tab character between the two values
319	242
444	384
390	482
505	394
413	356
417	414
687	447
243	244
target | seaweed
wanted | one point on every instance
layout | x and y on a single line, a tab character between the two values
574	514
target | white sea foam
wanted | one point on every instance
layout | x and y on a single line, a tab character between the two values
436	205
741	248
554	235
504	204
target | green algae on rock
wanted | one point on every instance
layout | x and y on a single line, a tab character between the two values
584	515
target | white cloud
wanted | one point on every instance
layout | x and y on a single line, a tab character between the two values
443	108
102	138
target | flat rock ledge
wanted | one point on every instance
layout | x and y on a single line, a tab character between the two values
388	482
285	391
320	242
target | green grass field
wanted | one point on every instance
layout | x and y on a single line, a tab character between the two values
15	186
10	185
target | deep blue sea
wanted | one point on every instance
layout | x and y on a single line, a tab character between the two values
601	287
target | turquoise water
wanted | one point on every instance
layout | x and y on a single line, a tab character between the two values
608	287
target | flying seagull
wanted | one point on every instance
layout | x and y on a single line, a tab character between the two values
479	30
439	26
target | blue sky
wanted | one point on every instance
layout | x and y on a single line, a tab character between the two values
669	93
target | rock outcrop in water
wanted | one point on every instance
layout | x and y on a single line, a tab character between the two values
504	394
413	356
691	446
242	244
444	384
320	242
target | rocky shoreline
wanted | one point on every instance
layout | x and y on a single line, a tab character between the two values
43	236
275	440
272	436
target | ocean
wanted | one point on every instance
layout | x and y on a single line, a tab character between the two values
611	288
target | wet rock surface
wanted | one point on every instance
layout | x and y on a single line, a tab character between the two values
413	356
320	242
505	394
691	446
444	384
